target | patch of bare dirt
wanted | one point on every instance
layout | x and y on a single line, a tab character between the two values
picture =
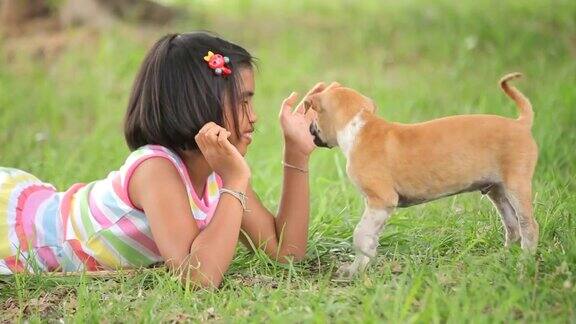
45	305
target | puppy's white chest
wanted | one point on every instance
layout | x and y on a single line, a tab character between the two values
347	139
347	136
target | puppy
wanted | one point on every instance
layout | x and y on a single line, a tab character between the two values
400	165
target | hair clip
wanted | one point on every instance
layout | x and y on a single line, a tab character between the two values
218	63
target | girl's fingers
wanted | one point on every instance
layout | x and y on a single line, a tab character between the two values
229	148
199	138
208	137
333	85
318	87
223	138
211	134
288	103
207	127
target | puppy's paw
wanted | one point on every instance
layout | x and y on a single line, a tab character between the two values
529	247
508	243
366	244
511	236
347	271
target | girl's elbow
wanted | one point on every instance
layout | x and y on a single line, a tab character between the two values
197	277
290	256
209	283
298	257
202	281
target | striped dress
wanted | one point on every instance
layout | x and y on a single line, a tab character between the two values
90	226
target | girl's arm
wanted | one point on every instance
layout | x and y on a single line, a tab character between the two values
198	257
286	235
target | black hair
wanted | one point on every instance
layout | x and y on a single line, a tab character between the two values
175	92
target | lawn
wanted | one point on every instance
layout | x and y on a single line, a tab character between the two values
61	119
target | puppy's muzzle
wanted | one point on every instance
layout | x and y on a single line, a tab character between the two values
317	140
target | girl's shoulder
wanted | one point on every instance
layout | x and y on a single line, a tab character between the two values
157	175
157	156
149	151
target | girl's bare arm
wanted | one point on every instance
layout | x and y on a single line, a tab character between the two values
285	235
198	257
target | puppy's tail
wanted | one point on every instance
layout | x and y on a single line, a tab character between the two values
526	112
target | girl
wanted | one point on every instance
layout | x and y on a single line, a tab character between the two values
183	194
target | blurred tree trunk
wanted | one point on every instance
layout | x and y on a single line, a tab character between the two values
100	13
13	13
16	14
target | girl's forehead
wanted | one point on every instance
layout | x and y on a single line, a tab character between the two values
247	77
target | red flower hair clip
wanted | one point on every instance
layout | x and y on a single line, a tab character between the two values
218	63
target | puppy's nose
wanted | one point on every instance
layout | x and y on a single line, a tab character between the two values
317	140
313	129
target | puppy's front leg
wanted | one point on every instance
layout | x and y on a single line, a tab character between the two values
365	241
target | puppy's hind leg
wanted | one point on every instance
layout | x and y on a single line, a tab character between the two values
366	236
511	227
518	189
520	197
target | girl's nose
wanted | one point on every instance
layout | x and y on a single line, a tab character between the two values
252	117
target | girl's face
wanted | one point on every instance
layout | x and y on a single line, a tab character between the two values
246	115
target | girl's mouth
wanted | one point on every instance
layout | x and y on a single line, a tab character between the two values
248	135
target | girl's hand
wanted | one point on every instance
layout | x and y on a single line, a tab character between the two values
222	156
296	125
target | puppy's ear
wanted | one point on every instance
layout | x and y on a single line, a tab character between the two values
313	102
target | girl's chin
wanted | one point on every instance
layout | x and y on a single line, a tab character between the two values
242	148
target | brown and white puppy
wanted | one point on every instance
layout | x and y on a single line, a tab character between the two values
399	165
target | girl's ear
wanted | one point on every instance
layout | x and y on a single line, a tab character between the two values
313	102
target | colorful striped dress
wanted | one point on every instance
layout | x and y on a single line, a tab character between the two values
90	226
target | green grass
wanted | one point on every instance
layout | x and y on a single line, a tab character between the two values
439	262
